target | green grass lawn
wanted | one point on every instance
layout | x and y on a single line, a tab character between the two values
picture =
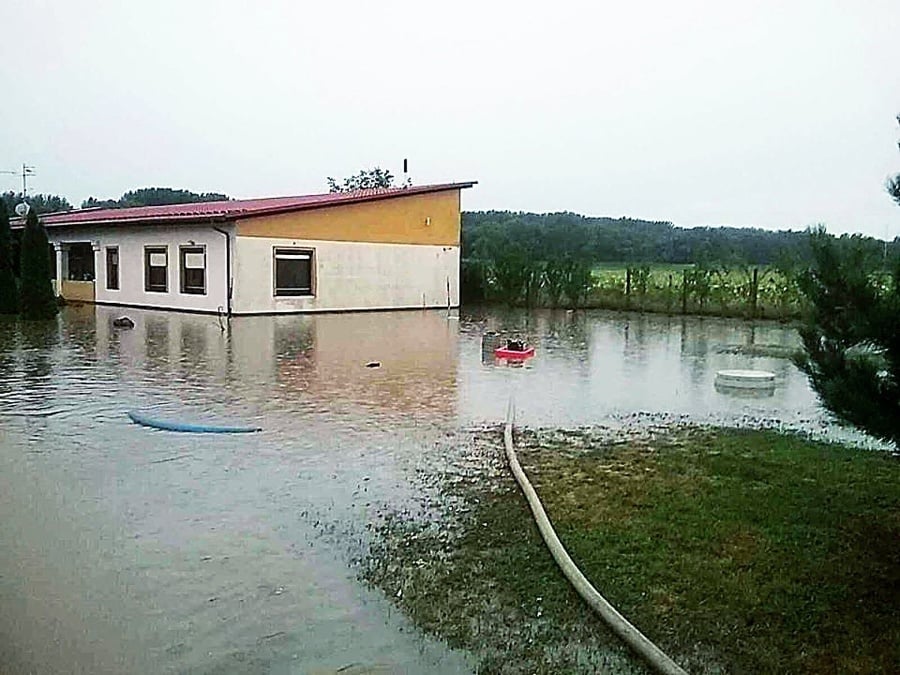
736	551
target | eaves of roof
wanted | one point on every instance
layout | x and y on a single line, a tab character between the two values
225	211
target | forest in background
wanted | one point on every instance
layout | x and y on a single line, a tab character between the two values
569	260
630	240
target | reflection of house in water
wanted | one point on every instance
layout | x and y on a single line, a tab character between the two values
165	345
304	361
323	358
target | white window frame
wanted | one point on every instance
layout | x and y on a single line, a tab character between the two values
182	251
148	251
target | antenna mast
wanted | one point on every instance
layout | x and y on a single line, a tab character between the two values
26	171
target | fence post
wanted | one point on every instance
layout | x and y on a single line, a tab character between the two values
754	293
669	295
628	287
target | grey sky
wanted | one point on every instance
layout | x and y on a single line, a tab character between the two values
775	114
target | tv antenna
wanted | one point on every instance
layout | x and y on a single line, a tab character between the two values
25	173
23	208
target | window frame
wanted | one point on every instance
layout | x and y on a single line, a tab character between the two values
182	251
118	264
148	250
288	250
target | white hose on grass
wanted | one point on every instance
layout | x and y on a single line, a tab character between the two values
618	623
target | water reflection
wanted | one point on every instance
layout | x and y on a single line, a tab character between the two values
593	367
187	551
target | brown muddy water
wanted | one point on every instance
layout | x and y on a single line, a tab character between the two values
127	549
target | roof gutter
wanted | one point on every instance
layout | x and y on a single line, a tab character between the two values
228	280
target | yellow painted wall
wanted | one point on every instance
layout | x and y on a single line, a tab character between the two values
79	291
398	220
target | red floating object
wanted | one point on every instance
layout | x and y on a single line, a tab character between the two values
514	354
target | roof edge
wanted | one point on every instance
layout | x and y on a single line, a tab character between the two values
358	199
122	217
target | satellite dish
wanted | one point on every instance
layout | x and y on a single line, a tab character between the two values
22	209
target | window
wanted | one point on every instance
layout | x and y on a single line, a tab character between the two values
112	268
156	269
193	269
80	261
293	271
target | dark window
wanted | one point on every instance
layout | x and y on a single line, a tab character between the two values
156	269
293	271
80	258
112	268
193	270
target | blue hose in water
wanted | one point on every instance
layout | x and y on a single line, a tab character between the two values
168	425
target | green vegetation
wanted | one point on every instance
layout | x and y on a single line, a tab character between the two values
154	196
36	293
736	551
851	332
851	336
40	203
9	293
569	260
637	242
746	291
367	179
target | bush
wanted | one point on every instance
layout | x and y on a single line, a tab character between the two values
851	335
36	292
9	297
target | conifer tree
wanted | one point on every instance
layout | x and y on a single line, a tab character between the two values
851	337
851	333
35	291
9	295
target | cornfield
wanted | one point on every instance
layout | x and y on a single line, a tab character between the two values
755	292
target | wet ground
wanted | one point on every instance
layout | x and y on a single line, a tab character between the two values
126	549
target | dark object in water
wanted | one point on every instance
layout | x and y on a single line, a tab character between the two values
168	425
123	322
373	364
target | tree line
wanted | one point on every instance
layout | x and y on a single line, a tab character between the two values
631	240
150	196
154	196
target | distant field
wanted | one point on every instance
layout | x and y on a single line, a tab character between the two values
685	288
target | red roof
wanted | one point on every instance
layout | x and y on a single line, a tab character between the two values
234	209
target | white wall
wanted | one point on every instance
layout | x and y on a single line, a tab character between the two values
348	276
131	241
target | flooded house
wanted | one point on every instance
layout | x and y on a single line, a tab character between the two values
394	248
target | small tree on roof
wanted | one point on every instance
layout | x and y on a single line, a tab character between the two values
368	179
9	296
36	293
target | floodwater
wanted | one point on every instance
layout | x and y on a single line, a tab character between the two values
127	549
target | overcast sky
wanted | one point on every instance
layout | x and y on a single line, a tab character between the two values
778	114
